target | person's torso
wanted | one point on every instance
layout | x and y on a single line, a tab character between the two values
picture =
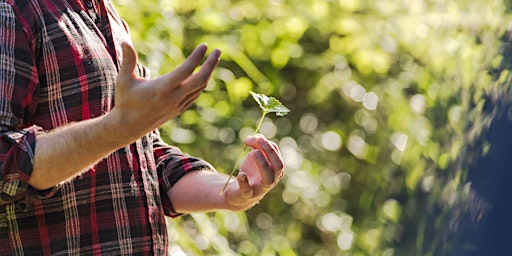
113	208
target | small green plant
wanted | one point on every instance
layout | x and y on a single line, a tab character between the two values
267	105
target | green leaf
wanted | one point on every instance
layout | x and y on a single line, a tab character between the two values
267	104
270	104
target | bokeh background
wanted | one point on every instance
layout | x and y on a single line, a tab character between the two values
391	106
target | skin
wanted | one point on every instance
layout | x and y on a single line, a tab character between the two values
143	105
258	174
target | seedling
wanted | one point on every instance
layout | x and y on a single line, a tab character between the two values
267	105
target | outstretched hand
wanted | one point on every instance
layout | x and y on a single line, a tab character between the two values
144	105
259	173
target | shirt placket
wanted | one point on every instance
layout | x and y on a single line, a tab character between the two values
93	10
98	13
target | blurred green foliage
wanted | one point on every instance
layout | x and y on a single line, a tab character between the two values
386	103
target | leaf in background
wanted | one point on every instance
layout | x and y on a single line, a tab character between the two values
270	104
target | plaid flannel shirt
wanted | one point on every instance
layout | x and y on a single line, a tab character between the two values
58	63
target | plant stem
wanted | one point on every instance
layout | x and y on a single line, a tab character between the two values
263	114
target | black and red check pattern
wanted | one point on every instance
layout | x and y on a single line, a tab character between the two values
58	63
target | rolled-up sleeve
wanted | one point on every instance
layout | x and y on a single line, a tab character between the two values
16	162
172	164
18	100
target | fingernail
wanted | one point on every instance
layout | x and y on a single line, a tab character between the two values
216	53
202	48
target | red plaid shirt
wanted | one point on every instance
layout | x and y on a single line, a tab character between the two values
58	64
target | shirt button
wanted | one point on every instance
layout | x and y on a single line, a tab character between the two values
89	4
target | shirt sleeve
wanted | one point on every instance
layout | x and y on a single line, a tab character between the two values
16	161
18	100
172	164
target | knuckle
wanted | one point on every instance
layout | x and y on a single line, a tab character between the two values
186	67
279	165
182	71
203	78
261	140
259	136
259	156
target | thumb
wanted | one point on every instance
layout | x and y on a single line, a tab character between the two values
243	183
127	70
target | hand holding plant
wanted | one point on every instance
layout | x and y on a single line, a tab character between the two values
267	105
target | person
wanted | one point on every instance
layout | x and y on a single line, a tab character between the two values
83	168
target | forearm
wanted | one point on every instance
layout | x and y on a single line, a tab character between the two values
200	191
65	152
141	106
258	174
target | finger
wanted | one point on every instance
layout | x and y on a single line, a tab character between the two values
267	175
280	173
183	71
209	65
270	151
275	146
200	79
243	183
193	86
127	70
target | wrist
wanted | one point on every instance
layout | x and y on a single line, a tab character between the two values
120	129
236	200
